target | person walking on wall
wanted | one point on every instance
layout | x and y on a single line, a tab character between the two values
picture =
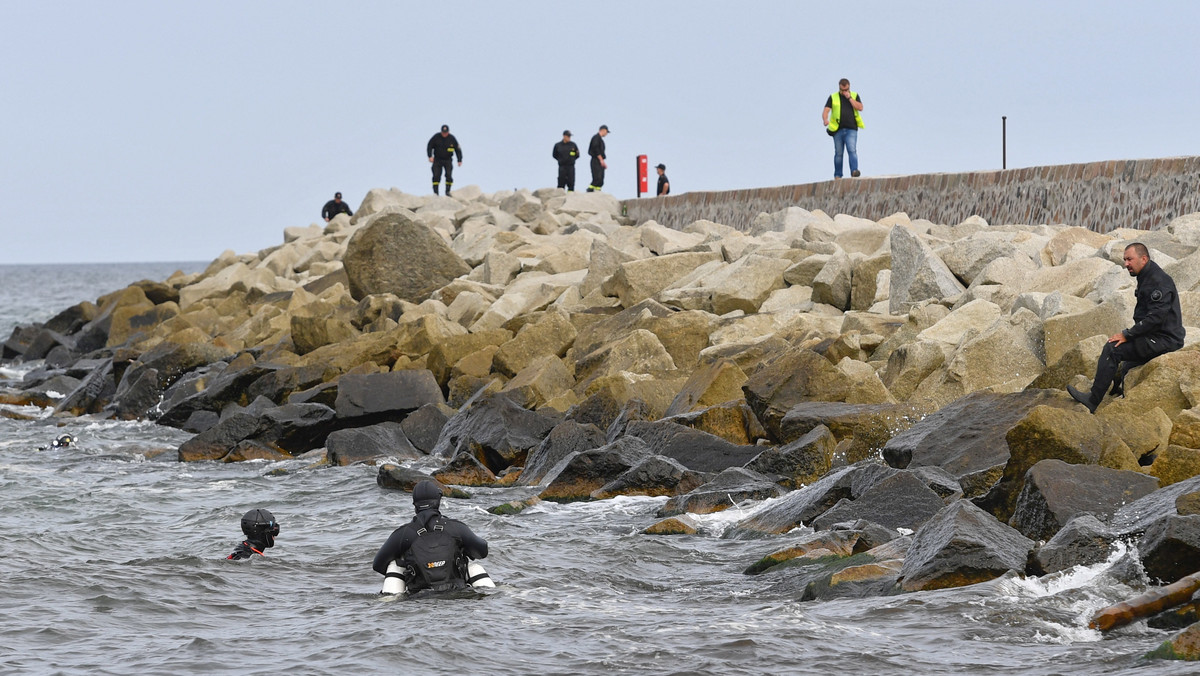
664	183
442	149
566	152
842	120
599	164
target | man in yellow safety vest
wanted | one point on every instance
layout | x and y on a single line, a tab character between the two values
843	125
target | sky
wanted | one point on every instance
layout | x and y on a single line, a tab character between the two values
172	131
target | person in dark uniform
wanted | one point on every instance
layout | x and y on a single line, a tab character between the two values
1157	328
664	183
433	547
566	152
599	163
334	207
61	441
442	149
260	528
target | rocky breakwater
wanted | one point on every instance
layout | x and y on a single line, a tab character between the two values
894	386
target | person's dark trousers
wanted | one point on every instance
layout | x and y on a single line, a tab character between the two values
1118	359
438	166
597	175
566	177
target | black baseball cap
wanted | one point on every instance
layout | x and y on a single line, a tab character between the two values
445	128
566	132
605	128
660	165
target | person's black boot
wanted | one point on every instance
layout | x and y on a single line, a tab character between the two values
1085	399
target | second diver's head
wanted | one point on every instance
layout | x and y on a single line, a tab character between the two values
63	441
427	495
260	527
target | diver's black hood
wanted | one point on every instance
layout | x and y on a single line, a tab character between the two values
427	495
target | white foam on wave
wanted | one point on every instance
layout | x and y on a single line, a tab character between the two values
1075	577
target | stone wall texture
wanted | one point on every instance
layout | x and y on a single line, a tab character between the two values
1101	196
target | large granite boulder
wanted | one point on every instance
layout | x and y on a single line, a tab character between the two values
917	273
800	462
1055	492
396	253
566	438
655	476
385	396
800	507
898	501
1170	548
366	444
962	545
585	472
496	430
695	449
1083	541
729	488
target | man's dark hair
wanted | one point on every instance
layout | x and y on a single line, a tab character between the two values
1139	249
843	81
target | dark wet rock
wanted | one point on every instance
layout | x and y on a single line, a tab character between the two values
424	425
962	545
366	444
325	393
19	341
811	546
1083	541
566	438
797	508
395	477
796	376
1176	618
216	442
200	421
73	318
1046	433
1055	492
514	506
279	384
59	357
859	576
634	410
939	481
730	487
385	396
799	462
93	394
496	431
584	472
655	476
699	451
1170	548
230	386
733	421
674	525
250	449
465	469
871	535
967	438
137	394
399	255
1183	646
1133	519
600	409
870	426
898	501
44	341
292	428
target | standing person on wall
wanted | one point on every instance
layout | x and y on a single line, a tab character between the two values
843	125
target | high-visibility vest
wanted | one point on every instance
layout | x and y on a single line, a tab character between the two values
835	112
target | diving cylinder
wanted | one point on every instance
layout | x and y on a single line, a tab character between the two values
393	581
477	576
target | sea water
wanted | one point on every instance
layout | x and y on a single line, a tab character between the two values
112	562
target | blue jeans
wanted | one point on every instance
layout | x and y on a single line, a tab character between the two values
848	139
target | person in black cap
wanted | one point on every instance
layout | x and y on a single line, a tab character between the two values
61	441
566	152
442	149
334	207
435	549
596	150
260	528
664	183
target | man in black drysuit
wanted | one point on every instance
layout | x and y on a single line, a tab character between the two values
442	149
432	546
599	159
260	528
1157	328
334	207
566	152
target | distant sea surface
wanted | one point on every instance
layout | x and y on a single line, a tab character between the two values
112	562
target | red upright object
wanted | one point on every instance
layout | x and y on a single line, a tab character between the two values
643	181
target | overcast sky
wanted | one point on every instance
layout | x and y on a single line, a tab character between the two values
167	131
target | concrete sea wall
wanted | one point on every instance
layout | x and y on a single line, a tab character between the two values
1101	196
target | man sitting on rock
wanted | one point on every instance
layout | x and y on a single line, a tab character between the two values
431	546
1157	328
260	528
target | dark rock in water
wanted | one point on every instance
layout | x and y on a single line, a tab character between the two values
1083	541
899	501
655	476
1183	646
674	525
727	489
424	425
19	341
1133	519
871	535
1176	618
44	341
364	444
400	478
1048	432
566	438
200	421
584	472
514	506
45	394
93	394
73	318
699	451
228	387
216	442
870	426
967	438
386	396
811	546
1170	548
799	462
252	450
962	545
397	254
496	431
798	375
59	357
465	469
634	410
939	481
279	384
136	394
1055	492
600	409
798	507
293	428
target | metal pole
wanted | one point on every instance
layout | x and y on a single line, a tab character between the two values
1003	141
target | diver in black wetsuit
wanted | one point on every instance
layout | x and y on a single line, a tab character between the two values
434	548
260	528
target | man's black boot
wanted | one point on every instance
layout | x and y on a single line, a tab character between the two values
1085	399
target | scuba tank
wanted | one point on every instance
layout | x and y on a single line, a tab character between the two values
393	581
477	577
